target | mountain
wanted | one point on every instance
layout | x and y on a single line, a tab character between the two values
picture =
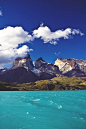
72	67
23	62
18	75
23	70
46	68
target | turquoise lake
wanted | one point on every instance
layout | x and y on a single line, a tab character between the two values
43	109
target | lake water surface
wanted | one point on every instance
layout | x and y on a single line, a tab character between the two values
43	109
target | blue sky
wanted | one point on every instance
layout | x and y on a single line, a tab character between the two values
31	26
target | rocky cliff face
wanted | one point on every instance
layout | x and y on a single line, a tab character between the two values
43	66
81	64
64	66
72	67
23	62
40	63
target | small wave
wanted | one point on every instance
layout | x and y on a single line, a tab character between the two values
59	107
46	97
75	117
33	117
82	97
51	102
81	118
36	100
27	113
23	128
29	104
23	96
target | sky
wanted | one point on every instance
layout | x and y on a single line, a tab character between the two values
49	29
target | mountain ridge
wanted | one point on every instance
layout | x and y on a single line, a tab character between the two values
23	70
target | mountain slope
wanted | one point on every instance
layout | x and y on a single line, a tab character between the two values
18	75
23	70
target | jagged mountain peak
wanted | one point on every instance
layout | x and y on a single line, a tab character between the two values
27	57
40	59
40	63
25	62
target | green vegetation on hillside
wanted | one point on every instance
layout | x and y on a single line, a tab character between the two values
4	86
57	83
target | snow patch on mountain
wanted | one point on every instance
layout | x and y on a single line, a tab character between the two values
36	71
42	61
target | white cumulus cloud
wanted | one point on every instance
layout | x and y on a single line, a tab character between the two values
10	38
46	35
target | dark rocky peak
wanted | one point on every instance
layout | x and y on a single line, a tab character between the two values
40	59
29	63
27	57
40	63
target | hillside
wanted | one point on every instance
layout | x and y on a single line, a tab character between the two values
57	83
